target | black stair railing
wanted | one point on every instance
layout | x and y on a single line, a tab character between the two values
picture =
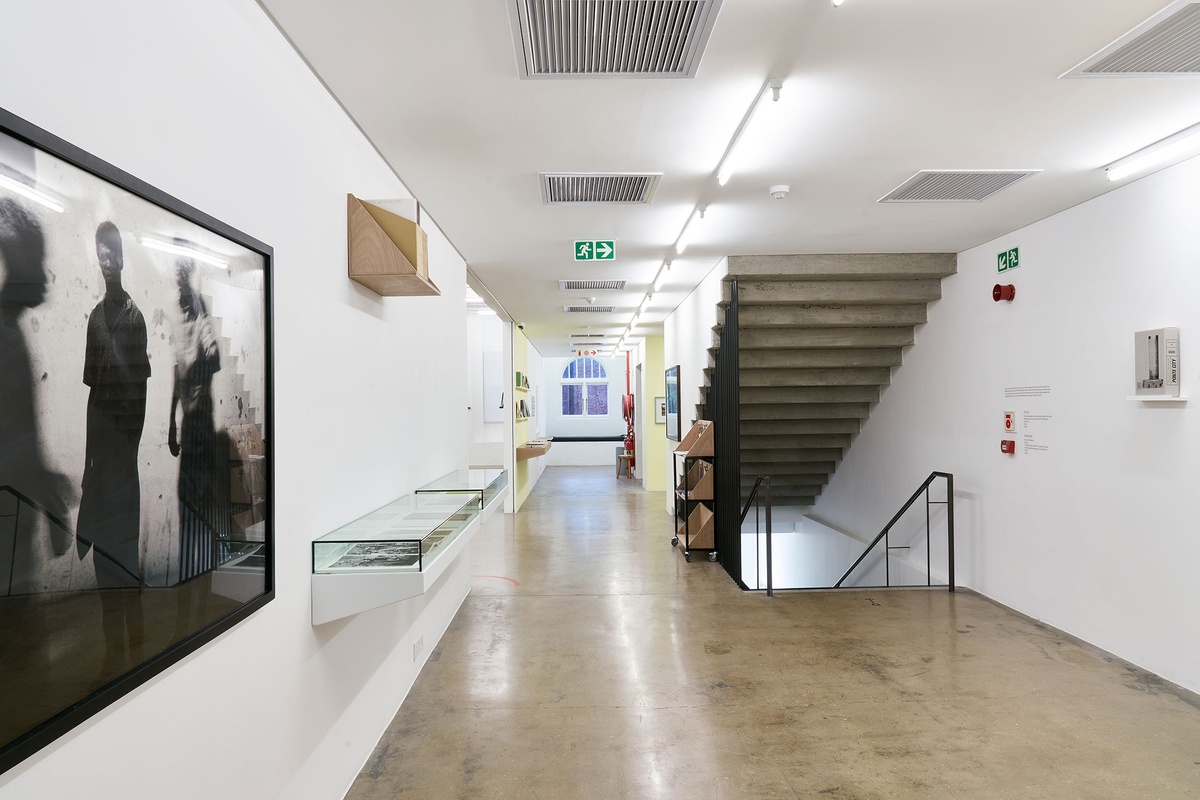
883	534
765	505
723	409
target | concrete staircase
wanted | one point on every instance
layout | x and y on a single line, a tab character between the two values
818	337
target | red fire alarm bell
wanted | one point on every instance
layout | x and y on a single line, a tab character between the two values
1006	292
1008	446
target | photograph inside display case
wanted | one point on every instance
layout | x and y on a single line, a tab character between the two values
135	499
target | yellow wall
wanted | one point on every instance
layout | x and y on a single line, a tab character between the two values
654	449
527	471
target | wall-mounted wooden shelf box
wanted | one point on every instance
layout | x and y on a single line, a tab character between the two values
386	252
533	449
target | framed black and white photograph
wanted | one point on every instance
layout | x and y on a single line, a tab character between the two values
672	411
135	427
660	410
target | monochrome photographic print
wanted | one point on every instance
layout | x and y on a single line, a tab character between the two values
135	404
378	555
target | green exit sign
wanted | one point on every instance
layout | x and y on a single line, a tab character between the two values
1007	260
595	250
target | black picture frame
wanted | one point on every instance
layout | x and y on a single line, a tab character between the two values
673	417
136	504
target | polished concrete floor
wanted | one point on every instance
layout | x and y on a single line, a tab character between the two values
591	661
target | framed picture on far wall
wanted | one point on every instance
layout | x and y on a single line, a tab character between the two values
673	432
135	433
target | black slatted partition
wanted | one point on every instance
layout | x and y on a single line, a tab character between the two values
724	412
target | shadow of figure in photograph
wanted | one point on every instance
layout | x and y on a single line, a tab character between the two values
116	366
194	441
35	489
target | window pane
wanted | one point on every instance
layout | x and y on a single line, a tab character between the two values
597	399
572	399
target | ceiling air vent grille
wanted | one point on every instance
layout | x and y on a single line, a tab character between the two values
1166	44
589	309
611	38
585	286
954	186
595	336
597	187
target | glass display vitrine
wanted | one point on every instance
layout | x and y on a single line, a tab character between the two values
488	483
403	536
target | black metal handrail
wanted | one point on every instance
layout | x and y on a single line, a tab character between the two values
762	479
750	500
949	503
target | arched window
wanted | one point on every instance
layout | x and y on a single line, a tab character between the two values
584	388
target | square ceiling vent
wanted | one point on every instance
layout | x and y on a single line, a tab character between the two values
955	186
560	188
611	38
1167	44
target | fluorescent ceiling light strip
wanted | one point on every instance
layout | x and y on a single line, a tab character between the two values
31	193
180	250
1171	149
685	235
725	165
645	304
661	276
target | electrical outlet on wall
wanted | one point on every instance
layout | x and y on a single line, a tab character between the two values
418	646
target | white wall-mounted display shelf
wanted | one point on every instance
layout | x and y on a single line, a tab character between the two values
400	550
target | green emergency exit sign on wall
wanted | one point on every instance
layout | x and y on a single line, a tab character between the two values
1007	260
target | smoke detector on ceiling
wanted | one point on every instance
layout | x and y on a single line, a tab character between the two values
780	191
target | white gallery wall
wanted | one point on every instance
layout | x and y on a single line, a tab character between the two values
687	335
207	102
1092	525
487	414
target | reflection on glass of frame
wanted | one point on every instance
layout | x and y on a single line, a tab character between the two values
123	550
672	412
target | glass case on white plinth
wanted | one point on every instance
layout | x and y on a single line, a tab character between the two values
488	482
394	553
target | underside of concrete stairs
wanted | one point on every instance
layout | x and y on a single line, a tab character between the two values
818	338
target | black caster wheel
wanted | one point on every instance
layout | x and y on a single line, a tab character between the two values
712	556
675	542
687	557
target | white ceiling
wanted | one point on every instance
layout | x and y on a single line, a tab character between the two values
873	91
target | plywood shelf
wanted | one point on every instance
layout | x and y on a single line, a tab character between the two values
697	532
385	252
697	484
699	440
533	449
